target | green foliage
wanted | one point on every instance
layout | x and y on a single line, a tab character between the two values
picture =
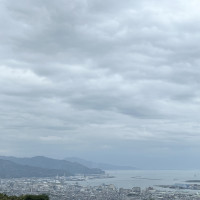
26	197
38	197
5	197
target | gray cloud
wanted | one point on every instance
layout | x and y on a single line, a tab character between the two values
81	75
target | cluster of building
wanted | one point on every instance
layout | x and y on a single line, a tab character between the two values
182	186
61	189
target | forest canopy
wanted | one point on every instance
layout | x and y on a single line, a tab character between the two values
24	197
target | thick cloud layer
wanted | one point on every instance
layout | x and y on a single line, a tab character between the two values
89	78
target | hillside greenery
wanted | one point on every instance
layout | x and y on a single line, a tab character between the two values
25	197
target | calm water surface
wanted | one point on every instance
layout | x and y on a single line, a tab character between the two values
145	178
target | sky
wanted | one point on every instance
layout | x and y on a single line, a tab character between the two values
109	81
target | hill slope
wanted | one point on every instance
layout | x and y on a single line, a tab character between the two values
9	169
49	163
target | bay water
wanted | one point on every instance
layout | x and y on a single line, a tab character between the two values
144	178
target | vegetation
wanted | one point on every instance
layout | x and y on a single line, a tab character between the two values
25	197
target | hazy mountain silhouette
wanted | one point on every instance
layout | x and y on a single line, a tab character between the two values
9	169
103	166
50	163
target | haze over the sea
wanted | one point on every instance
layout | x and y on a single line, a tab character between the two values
108	81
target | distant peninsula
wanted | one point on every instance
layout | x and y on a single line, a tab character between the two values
193	181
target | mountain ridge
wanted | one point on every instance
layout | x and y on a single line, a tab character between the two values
9	169
103	166
46	163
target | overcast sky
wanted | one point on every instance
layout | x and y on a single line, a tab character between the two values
115	81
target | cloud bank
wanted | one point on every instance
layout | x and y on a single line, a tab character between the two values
89	78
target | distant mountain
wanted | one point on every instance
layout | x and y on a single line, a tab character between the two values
49	163
103	166
9	169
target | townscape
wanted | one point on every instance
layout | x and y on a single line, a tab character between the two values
61	189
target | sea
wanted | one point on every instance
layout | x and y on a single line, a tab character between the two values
144	178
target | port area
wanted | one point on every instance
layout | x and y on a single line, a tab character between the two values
181	186
88	177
